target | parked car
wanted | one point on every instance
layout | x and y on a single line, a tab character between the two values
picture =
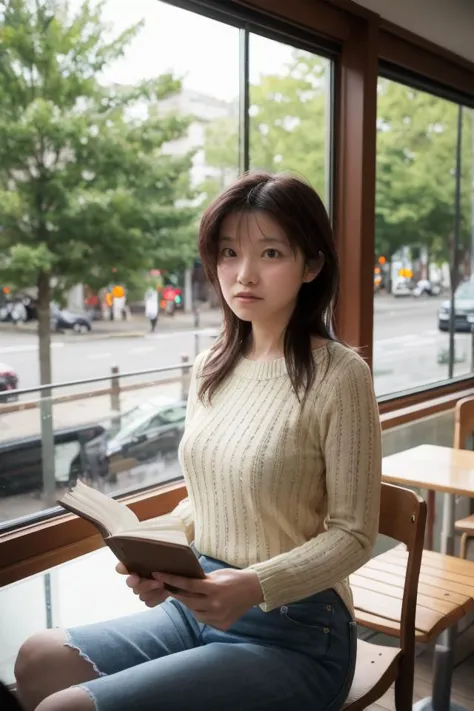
8	383
463	308
62	320
21	467
151	429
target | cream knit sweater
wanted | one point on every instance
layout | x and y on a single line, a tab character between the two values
291	492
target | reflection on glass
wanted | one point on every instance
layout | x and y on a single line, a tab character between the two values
138	235
115	439
290	111
416	161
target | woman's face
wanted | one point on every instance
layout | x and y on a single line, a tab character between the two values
259	273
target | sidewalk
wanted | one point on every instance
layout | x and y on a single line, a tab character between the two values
135	326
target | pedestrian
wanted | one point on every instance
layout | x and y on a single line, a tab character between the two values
282	460
152	308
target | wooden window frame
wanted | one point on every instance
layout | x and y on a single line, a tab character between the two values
362	39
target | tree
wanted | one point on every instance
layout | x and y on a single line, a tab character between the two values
85	185
288	126
416	160
416	151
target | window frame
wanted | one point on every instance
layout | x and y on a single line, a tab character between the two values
361	39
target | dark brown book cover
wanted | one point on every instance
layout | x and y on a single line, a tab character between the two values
144	557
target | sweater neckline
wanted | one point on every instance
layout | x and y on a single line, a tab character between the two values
268	369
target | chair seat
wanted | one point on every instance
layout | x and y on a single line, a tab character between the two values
445	593
465	525
376	670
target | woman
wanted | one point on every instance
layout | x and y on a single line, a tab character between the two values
281	456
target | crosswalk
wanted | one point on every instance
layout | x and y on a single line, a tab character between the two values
427	342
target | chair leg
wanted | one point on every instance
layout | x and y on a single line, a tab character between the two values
404	688
463	548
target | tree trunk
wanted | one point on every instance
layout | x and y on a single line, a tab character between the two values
46	405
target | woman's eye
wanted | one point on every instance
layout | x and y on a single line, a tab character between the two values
272	253
228	252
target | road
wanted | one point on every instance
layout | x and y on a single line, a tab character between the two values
406	347
407	344
79	358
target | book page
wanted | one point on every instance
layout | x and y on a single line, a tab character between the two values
166	536
113	515
166	522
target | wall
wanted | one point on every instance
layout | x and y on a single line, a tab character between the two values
447	23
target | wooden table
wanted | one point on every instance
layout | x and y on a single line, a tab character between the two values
451	472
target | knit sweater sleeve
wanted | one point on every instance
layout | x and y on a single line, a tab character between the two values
350	437
184	509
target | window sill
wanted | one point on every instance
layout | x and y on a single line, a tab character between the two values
35	548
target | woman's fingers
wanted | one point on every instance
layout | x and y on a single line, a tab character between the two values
153	597
121	569
143	585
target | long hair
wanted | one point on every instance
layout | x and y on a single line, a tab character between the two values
300	212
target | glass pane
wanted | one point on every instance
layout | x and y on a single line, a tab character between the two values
118	435
140	161
290	111
415	208
62	597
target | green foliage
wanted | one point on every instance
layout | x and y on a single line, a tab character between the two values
416	161
416	152
288	126
85	185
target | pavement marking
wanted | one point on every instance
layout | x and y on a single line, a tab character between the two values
29	348
98	356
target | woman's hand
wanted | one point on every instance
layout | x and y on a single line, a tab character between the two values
219	599
151	592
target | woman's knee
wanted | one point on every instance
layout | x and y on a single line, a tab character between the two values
74	699
46	664
35	654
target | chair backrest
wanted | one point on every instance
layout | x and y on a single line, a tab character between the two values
464	422
403	517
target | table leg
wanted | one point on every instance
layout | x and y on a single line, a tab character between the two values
444	651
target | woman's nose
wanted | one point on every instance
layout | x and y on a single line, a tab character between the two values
247	272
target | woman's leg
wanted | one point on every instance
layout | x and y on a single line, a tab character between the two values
301	656
38	663
54	660
232	676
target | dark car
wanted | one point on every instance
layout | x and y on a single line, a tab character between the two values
21	467
8	383
62	320
463	308
151	430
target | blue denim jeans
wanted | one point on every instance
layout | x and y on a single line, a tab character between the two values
300	657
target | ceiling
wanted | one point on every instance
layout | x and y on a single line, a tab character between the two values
447	23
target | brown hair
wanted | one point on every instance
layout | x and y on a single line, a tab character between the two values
300	212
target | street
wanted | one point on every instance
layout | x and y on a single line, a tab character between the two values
407	344
407	347
79	357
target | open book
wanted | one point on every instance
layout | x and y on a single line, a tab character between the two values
158	545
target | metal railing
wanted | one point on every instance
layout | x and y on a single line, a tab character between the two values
116	386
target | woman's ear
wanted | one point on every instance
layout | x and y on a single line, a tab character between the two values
313	268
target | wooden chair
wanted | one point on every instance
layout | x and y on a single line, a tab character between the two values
463	428
402	517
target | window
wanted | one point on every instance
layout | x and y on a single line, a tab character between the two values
290	117
141	158
415	261
173	416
